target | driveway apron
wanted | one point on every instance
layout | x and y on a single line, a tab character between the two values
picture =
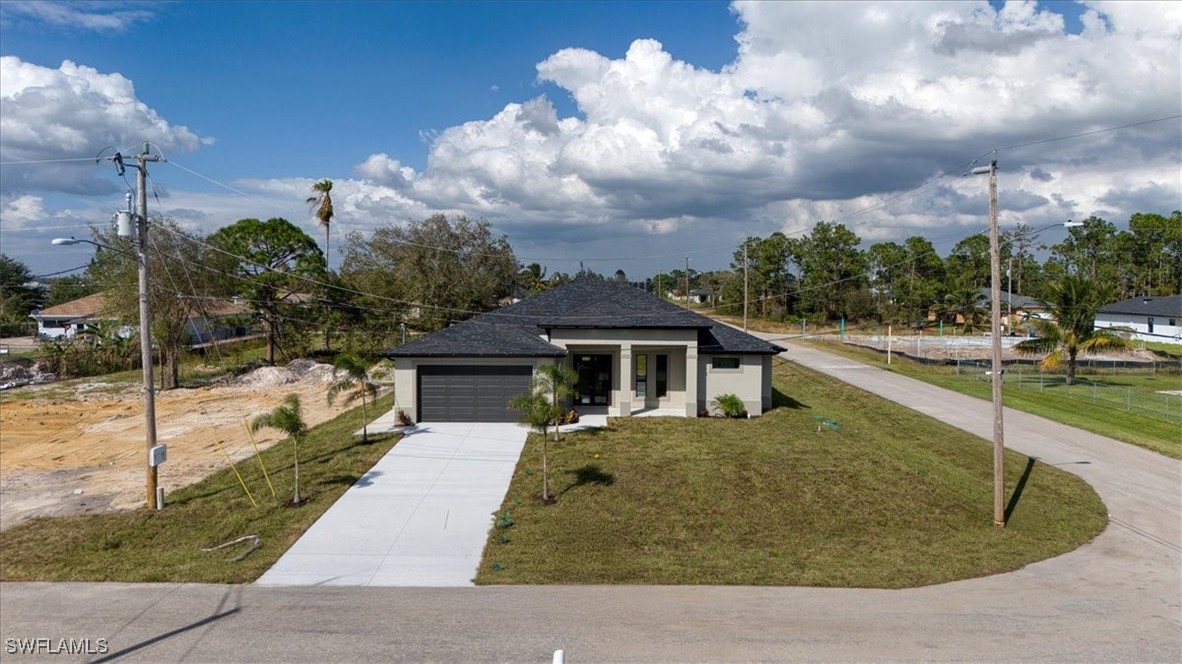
419	517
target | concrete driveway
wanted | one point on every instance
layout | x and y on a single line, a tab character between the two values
419	517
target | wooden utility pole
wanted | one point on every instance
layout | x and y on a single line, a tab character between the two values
745	266
141	181
999	519
687	281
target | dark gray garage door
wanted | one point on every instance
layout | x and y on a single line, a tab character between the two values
457	393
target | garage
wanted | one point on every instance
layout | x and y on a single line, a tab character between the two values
467	393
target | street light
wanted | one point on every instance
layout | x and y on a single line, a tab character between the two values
156	453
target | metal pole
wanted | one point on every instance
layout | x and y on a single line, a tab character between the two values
1010	296
995	313
146	321
745	265
687	281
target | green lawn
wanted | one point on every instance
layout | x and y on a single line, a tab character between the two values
143	545
835	487
1127	406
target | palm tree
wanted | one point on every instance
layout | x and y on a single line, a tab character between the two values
322	208
1072	305
969	304
287	418
544	405
355	384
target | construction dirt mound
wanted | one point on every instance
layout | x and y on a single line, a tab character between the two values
79	446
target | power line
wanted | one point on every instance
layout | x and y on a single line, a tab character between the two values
1086	133
13	162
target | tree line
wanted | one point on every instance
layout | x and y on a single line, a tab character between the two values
825	275
427	274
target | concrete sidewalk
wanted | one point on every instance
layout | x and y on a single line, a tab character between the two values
419	517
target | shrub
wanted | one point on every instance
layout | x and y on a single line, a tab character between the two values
730	405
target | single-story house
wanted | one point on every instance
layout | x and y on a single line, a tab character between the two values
1150	318
218	320
68	319
632	351
1016	310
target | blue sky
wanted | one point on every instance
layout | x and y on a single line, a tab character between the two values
634	132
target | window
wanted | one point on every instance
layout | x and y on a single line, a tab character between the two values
1151	324
726	363
1173	322
662	375
641	376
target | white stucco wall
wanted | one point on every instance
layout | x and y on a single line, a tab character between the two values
1163	330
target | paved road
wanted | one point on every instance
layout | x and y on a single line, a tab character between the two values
1117	599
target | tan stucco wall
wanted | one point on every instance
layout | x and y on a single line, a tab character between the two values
746	382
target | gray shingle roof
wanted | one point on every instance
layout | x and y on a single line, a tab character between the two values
478	338
599	304
1167	305
1019	301
515	330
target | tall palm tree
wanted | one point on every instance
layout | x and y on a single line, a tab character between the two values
321	203
355	383
1072	304
288	418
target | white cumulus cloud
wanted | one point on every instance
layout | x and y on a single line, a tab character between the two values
72	112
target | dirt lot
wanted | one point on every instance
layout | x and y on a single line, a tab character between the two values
80	447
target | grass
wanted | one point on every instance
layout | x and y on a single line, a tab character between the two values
1103	409
166	545
882	497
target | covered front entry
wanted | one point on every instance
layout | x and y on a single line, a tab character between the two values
594	387
470	393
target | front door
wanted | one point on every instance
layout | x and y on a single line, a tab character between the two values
594	387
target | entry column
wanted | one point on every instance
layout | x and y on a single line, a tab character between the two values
624	403
691	380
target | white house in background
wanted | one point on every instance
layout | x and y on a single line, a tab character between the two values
68	319
219	320
1150	318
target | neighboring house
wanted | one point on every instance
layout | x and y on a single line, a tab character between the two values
68	319
1150	318
631	350
699	296
221	320
1015	310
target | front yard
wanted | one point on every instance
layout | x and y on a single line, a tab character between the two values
835	487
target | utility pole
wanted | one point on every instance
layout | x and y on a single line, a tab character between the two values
1010	296
141	182
745	285
154	455
996	373
687	282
